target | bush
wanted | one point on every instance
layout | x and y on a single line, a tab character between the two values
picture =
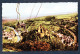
30	20
31	35
6	24
48	18
11	24
34	46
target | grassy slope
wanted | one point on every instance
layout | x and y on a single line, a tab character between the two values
46	24
62	16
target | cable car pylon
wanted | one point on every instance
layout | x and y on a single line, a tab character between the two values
17	10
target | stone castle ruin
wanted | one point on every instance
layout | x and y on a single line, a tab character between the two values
43	31
21	25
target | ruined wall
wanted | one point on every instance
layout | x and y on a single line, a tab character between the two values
42	31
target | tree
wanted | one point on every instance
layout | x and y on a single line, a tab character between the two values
48	18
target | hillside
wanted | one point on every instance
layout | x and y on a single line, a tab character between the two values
62	16
47	33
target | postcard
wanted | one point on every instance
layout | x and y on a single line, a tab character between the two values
40	26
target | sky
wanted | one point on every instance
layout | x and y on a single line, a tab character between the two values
9	9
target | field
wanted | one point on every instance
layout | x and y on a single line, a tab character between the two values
47	33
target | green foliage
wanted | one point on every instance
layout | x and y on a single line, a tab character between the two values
34	46
52	24
31	35
56	21
11	24
6	24
48	18
30	20
3	28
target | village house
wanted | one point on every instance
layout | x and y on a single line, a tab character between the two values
8	35
66	39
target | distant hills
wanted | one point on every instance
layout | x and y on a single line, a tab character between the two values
8	20
4	20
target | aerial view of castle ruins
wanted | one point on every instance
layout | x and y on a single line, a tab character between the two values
40	26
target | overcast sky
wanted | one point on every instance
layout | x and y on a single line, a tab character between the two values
9	9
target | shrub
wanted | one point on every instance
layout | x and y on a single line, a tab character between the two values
31	35
48	18
34	46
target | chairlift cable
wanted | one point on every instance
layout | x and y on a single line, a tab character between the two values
32	10
38	10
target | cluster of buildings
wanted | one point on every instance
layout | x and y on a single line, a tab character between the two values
67	40
8	35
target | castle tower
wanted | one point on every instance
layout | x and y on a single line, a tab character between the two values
40	29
